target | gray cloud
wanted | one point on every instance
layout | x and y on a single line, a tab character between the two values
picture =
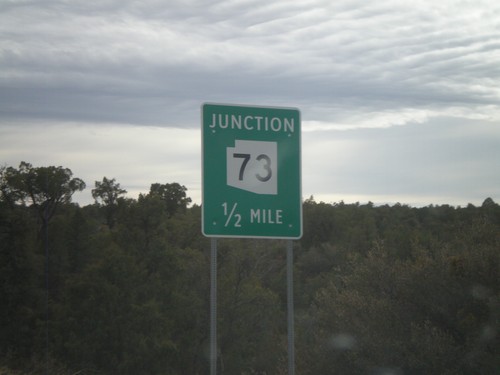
131	61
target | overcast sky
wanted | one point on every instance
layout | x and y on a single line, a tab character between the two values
400	100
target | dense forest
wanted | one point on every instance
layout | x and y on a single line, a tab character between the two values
122	286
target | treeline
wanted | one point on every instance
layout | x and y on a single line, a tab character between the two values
122	286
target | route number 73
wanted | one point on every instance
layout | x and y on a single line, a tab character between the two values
253	166
266	166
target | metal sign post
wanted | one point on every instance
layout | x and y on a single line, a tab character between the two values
290	307
213	306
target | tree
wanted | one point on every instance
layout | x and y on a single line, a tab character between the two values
43	188
174	196
8	194
20	295
108	192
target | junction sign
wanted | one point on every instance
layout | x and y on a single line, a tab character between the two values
251	171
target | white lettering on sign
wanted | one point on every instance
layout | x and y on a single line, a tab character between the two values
253	166
266	216
259	123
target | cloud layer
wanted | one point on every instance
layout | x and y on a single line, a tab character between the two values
148	63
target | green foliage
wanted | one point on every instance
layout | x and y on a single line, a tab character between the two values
44	188
387	289
250	319
21	270
431	308
108	192
173	195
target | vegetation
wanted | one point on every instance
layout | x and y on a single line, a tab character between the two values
122	286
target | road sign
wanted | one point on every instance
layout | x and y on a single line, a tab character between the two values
251	171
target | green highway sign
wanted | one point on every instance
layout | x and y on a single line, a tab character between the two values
251	171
